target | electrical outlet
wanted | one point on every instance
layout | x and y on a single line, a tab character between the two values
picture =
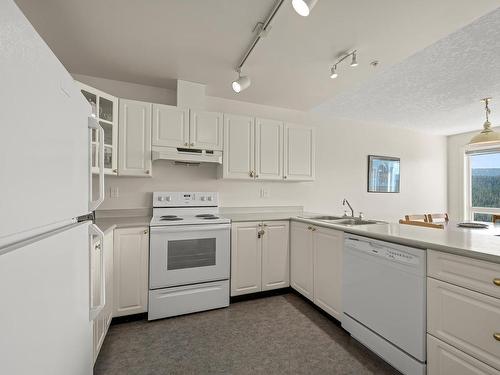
114	192
264	193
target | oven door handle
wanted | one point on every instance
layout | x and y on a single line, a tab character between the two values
190	228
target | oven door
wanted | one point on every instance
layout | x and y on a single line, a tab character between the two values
181	255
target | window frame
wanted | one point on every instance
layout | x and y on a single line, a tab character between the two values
469	210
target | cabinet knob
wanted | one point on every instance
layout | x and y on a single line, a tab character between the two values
284	177
496	281
186	144
310	228
251	174
496	336
313	229
115	170
147	171
256	176
191	144
146	231
98	246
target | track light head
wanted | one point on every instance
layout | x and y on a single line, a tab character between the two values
303	7
354	61
333	72
242	83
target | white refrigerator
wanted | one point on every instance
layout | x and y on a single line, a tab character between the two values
46	303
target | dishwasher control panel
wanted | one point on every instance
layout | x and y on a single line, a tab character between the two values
384	250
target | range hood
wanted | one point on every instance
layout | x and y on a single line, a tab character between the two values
186	155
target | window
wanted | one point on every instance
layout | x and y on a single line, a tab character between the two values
483	180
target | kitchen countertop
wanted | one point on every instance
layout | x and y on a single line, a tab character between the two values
105	224
475	243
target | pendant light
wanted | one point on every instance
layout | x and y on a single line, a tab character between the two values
487	135
303	7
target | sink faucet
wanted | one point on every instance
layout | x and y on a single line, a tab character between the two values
344	202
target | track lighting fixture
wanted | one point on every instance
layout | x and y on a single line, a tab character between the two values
333	72
242	83
303	7
354	62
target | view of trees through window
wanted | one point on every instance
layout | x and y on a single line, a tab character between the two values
485	183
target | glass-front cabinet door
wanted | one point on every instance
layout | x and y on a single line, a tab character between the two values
105	108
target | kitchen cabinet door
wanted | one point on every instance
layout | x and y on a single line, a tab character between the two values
108	274
467	320
246	258
239	143
444	359
103	320
130	273
206	130
105	109
300	153
268	149
134	138
170	126
275	255
328	250
301	259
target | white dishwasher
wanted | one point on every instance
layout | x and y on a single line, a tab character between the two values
384	300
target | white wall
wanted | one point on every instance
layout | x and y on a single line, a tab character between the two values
456	148
342	150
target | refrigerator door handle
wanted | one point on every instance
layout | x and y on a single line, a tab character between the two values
94	124
96	310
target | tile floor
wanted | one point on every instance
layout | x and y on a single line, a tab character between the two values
281	334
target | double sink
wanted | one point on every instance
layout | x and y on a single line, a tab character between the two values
342	220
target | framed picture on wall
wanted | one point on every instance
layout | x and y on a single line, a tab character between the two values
383	174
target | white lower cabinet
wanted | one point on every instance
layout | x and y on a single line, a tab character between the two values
259	256
316	265
103	320
463	321
328	247
444	359
131	254
301	259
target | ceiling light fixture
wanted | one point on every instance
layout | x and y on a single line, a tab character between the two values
242	83
333	72
487	135
354	62
303	7
261	29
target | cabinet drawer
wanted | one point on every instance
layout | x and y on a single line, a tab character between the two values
465	319
470	273
444	359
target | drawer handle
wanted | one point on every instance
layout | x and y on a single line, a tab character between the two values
496	281
310	228
496	336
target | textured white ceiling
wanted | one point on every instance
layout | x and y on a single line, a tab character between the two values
436	90
155	42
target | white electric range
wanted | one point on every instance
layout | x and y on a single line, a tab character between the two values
189	254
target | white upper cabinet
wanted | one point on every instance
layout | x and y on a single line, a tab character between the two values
170	126
206	130
268	149
104	108
300	158
134	138
239	141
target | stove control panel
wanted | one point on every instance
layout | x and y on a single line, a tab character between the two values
183	199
